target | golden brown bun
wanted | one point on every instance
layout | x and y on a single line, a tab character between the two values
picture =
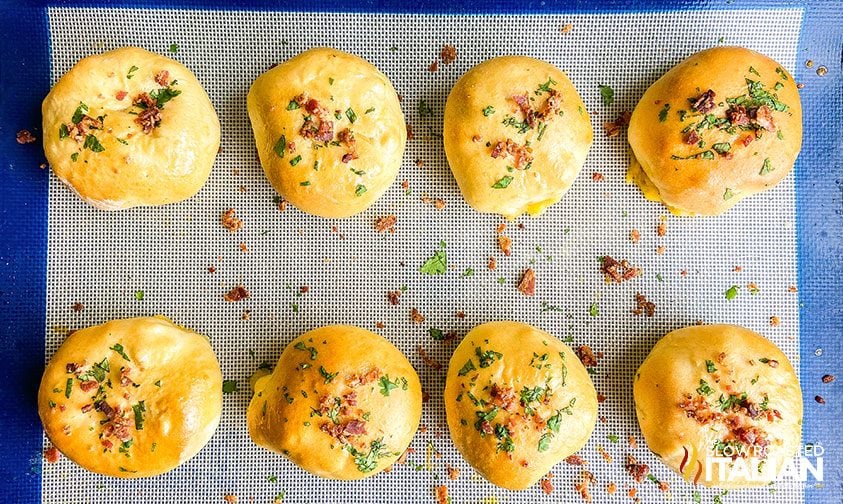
690	390
163	383
169	163
756	159
342	403
560	136
310	172
528	380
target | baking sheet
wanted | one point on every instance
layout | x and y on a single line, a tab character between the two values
103	260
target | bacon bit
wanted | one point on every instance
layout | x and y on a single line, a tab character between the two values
828	378
433	67
392	297
405	185
775	321
737	115
587	356
691	138
416	316
428	360
635	469
547	486
705	102
745	141
52	455
230	498
603	453
448	54
792	288
586	479
575	460
89	385
163	78
318	125
442	495
281	203
661	229
611	488
632	492
527	284
212	269
107	444
150	117
475	138
601	398
661	249
522	155
773	363
238	293
453	472
764	118
633	443
664	486
386	223
504	397
505	244
642	306
567	28
77	307
439	203
420	162
617	272
120	95
346	137
492	263
614	128
699	409
243	248
230	222
460	314
24	137
597	177
634	236
402	459
356	380
409	131
379	325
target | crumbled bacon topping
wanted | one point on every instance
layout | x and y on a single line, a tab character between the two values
522	155
386	223
80	130
393	297
505	244
614	128
705	102
527	284
230	222
346	137
24	137
357	380
416	316
586	479
637	470
737	115
448	54
433	67
642	306
120	95
238	293
150	117
163	78
318	125
698	408
617	272
587	356
764	118
427	359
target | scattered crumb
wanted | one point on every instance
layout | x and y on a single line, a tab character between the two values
24	137
448	54
601	398
612	488
642	306
634	236
822	71
617	272
493	263
442	495
799	85
547	486
280	202
587	356
428	360
683	273
379	325
243	247
661	229
439	203
792	288
586	479
661	249
737	269
393	297
230	222
828	378
460	314
527	284
597	177
247	315
409	132
433	67
603	453
633	443
416	316
405	185
575	460
420	162
52	455
505	244
77	307
386	223
212	269
501	227
453	472
775	321
819	399
636	469
238	293
568	28
809	64
614	128
230	498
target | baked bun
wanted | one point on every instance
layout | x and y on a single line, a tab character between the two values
342	403
131	398
516	135
719	391
722	125
329	131
518	401
129	128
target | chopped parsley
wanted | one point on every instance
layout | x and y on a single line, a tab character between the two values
63	131
352	116
709	366
467	368
468	272
369	110
386	386
229	386
329	377
767	167
301	346
367	462
544	442
545	88
436	333
360	190
120	351
293	105
782	73
174	48
607	94
502	183
91	142
663	112
163	95
304	183
488	357
68	387
722	148
139	409
437	264
74	156
281	146
489	110
129	74
704	388
754	71
424	109
593	310
728	194
732	292
613	438
296	160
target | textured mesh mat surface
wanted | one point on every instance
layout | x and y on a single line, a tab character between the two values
101	259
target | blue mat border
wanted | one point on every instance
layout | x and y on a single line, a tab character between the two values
24	81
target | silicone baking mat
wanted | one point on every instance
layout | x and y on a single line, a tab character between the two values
159	260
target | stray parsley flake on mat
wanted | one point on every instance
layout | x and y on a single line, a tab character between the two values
437	264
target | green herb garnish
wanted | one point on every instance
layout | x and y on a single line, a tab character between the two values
663	112
229	386
502	183
467	368
281	146
139	410
326	375
360	190
607	94
120	351
352	116
489	110
301	346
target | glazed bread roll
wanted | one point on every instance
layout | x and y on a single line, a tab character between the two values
719	391
518	401
129	128
131	398
342	403
516	135
722	125
329	131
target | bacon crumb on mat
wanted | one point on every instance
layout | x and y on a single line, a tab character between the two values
575	460
433	67
439	203
637	470
24	137
603	453
428	360
460	314
386	223
642	306
230	222
453	472
661	249
568	28
230	498
614	128
775	321
442	495
238	293
527	284
77	307
212	269
492	263
587	356
379	325
597	177
505	244
586	479
661	229
634	236
792	288
546	484
633	443
448	54
416	316
617	272
52	455
393	297
243	247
